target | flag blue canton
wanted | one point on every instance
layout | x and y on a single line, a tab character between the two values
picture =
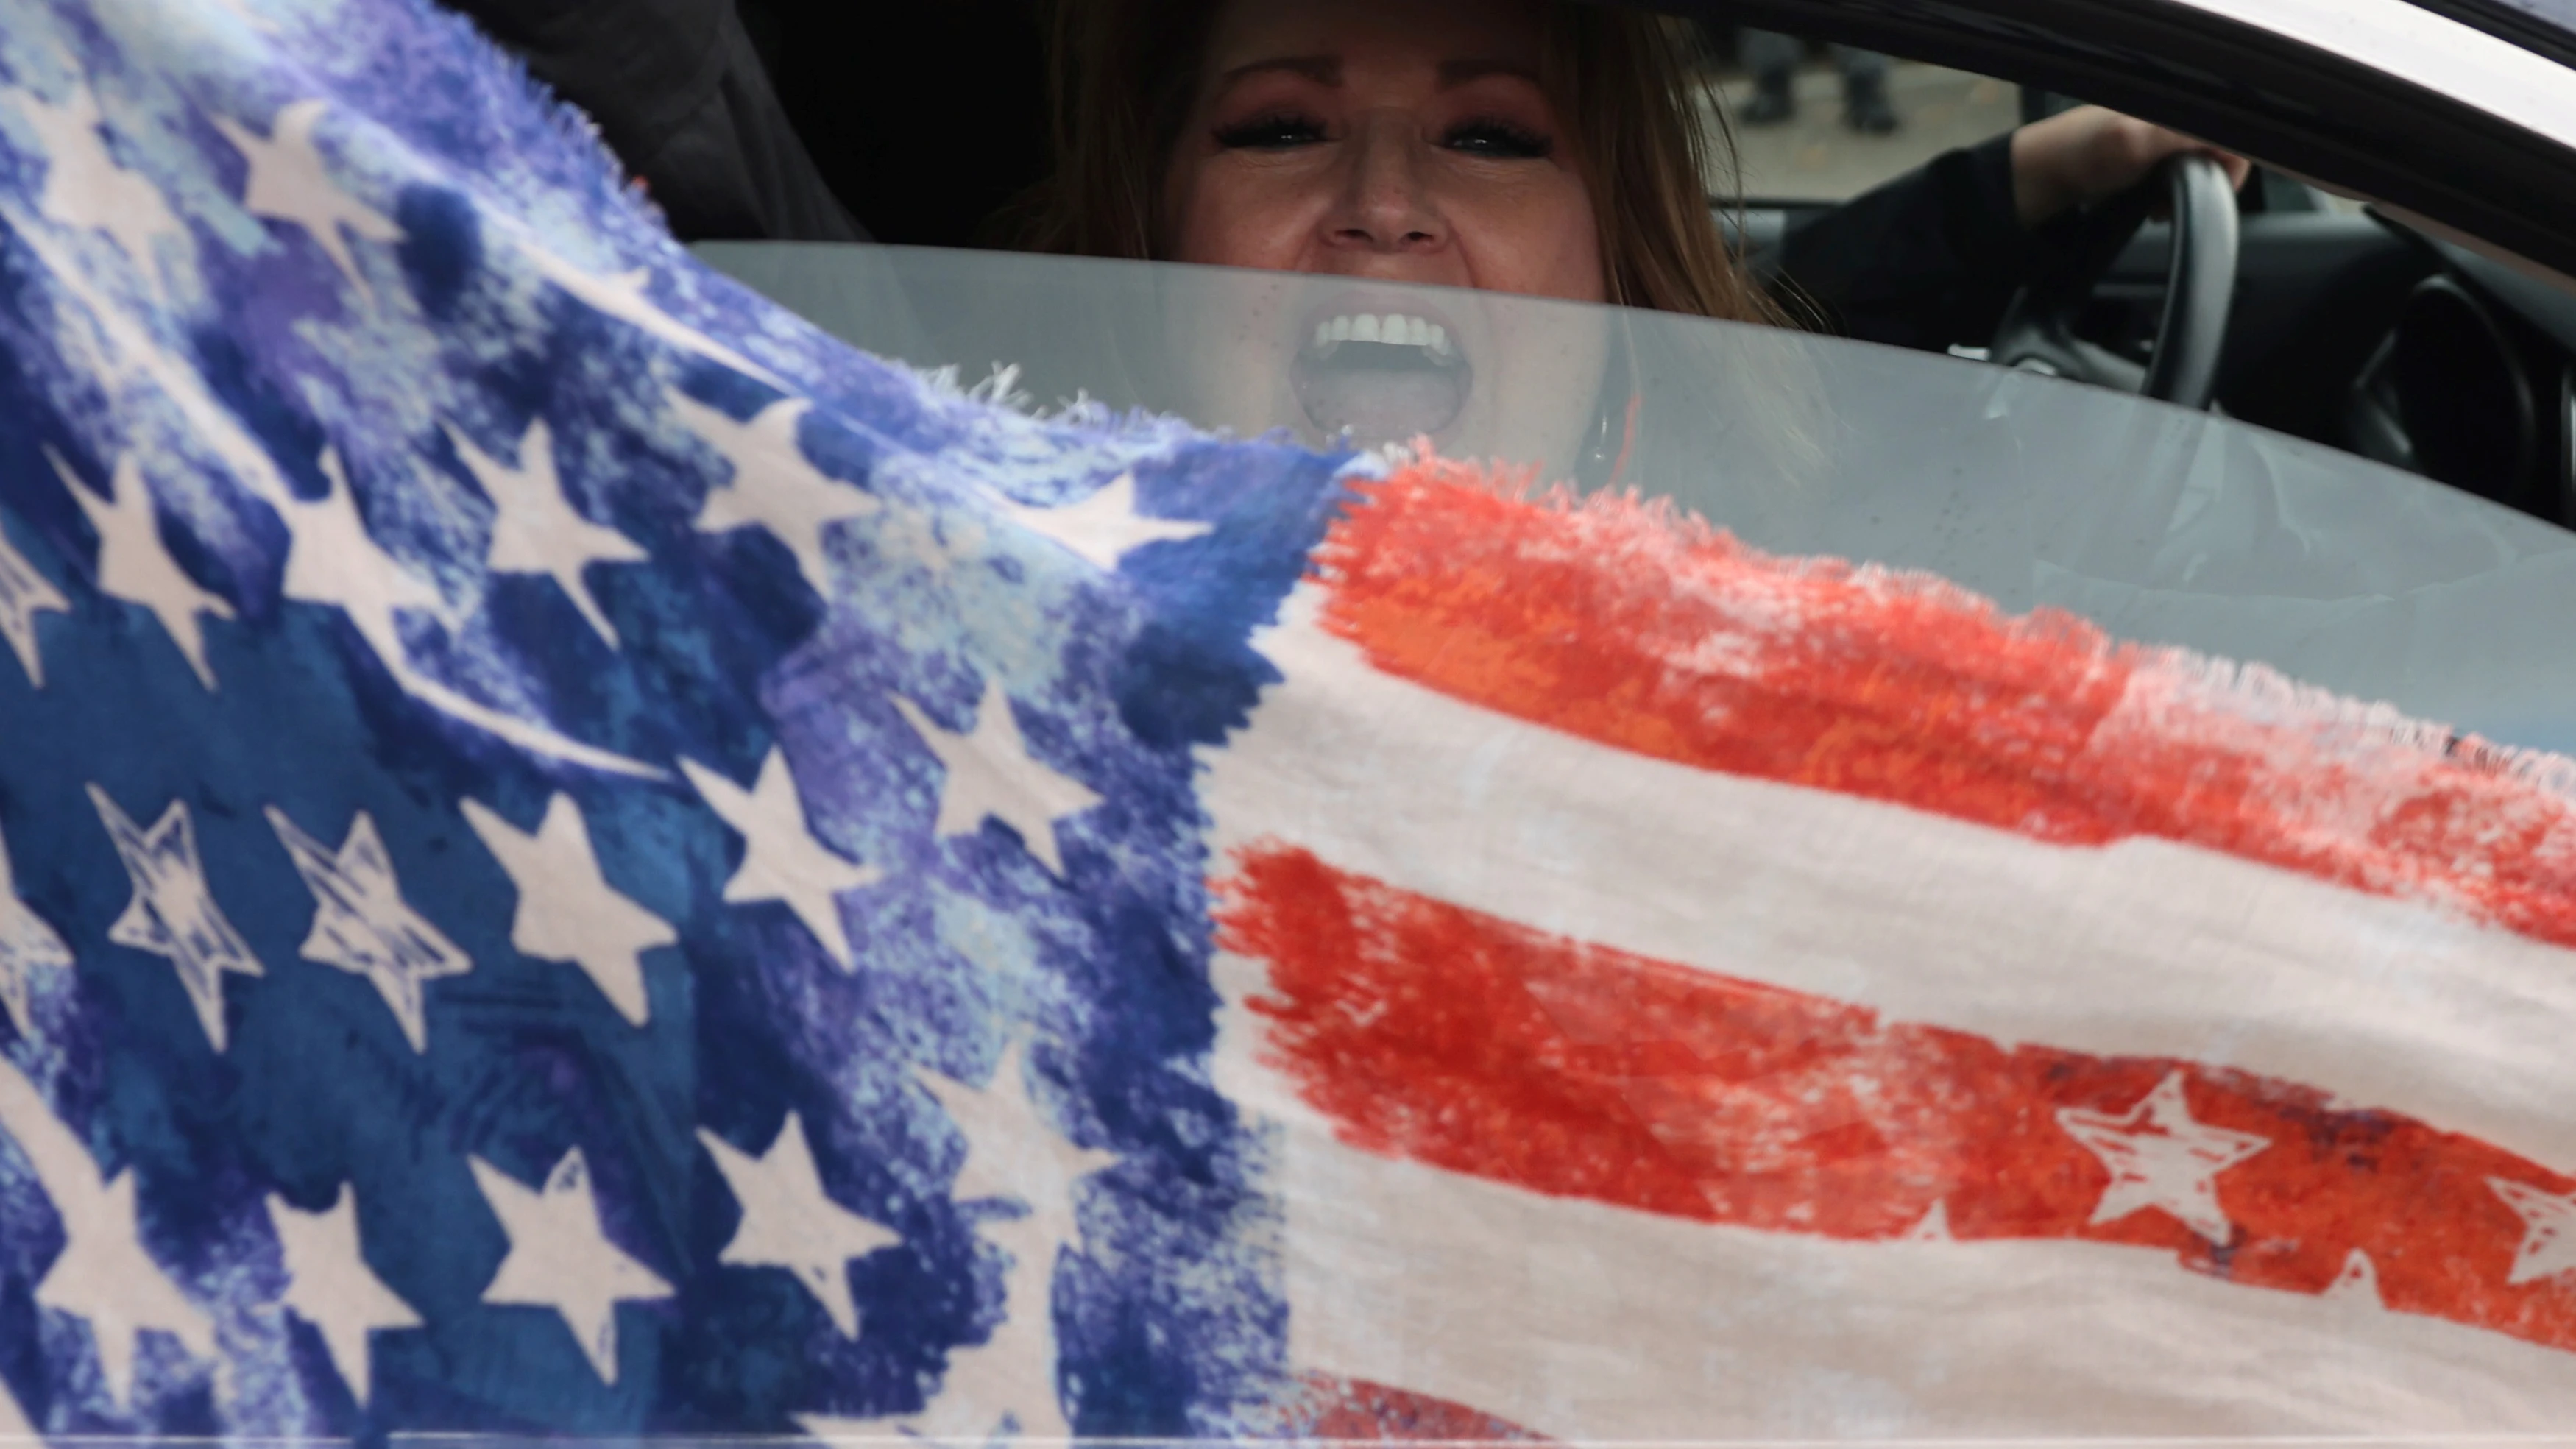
578	858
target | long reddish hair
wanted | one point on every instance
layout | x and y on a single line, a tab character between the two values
1123	74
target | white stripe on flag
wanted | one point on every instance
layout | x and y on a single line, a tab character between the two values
2143	948
1595	1323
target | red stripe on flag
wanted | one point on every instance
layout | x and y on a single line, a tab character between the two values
1618	624
1329	1409
1432	1033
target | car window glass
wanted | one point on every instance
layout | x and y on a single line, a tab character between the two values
1814	122
2160	525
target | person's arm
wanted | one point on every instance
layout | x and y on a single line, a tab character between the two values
1933	257
1924	261
680	95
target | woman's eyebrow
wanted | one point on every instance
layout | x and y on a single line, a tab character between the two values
1472	68
1321	69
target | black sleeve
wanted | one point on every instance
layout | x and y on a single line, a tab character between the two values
1927	260
680	95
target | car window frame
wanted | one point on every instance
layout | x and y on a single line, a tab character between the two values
2312	112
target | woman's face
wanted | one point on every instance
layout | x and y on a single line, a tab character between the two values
1389	140
1373	146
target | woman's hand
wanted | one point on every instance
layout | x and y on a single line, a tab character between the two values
2089	153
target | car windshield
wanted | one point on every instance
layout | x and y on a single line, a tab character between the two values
2163	526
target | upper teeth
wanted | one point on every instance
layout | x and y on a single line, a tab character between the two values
1392	327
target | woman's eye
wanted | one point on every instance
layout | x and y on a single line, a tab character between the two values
1497	139
1270	133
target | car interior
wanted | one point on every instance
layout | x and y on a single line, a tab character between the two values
2358	325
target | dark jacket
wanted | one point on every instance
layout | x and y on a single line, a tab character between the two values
1929	259
682	98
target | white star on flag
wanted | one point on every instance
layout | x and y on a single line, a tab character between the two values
287	182
622	295
560	1256
85	187
332	560
773	485
1011	1152
362	925
1105	527
991	775
27	945
103	1274
15	1426
1932	1227
2548	1245
2357	1283
535	528
25	593
330	1286
788	1222
2160	1158
567	909
173	913
134	566
1006	1384
781	858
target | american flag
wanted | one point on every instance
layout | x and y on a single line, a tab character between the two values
582	860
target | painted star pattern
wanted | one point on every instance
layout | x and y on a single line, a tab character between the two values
1932	1227
1011	1151
536	530
1105	527
2358	1282
773	486
2160	1158
361	924
789	1222
992	776
24	594
86	187
624	296
560	1257
103	1275
27	945
173	913
329	1285
1008	1382
134	566
332	561
567	910
288	182
781	859
15	1426
2548	1246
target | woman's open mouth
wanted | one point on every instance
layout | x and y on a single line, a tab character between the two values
1385	376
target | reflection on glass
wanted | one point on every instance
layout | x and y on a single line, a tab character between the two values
1475	373
2162	526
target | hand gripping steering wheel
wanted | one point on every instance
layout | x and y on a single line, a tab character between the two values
2038	331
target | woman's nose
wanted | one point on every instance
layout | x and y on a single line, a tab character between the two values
1385	205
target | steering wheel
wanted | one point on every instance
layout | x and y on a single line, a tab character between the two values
2038	331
